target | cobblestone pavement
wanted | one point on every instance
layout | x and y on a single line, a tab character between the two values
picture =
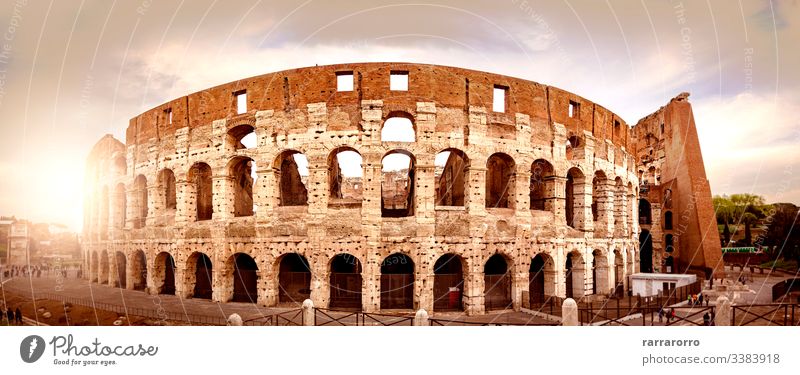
78	288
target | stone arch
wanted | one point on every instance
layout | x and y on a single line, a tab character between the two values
242	136
497	276
500	181
164	273
200	187
291	168
573	207
573	144
199	275
668	220
541	278
346	282
542	185
138	268
345	184
451	174
600	273
294	278
448	283
242	270
120	166
121	264
397	282
398	183
241	171
398	127
575	275
140	201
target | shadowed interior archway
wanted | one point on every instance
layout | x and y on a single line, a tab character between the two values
448	283
245	278
345	282
397	282
497	283
294	279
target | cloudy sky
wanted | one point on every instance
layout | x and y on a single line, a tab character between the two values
72	71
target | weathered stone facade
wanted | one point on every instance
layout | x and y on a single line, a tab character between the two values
542	201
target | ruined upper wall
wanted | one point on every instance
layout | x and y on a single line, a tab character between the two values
448	87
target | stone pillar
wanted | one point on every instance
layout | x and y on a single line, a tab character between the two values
155	207
182	289
723	312
130	272
371	276
425	197
583	204
223	197
476	188
186	195
220	291
604	226
308	313
265	196
263	285
559	201
522	190
569	313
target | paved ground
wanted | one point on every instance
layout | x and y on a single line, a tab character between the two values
133	302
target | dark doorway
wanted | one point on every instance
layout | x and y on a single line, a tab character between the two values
448	283
345	282
169	275
397	282
497	283
202	277
140	270
536	280
294	279
122	274
245	278
568	277
645	252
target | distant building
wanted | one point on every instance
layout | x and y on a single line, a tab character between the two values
19	241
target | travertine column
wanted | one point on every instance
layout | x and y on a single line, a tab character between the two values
223	197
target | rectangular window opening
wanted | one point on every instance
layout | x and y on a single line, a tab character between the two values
169	115
398	81
241	102
344	81
499	99
574	109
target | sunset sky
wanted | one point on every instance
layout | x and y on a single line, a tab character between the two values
72	71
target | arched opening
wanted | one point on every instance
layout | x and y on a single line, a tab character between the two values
397	282
669	243
668	220
245	278
242	137
619	271
500	181
166	190
200	270
104	209
599	273
599	198
102	273
448	283
497	283
139	270
345	283
242	171
122	266
398	128
451	176
573	204
345	177
294	279
573	142
291	170
645	215
538	286
574	276
645	252
542	185
397	184
119	203
164	273
120	166
201	185
669	264
140	194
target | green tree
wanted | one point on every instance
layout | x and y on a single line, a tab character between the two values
724	209
748	218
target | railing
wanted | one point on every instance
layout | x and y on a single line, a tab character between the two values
455	322
786	314
328	317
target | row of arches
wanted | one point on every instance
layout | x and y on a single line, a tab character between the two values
346	185
241	274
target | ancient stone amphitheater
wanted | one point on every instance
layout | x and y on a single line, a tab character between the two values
381	186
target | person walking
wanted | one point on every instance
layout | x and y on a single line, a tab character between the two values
660	314
10	315
706	319
19	316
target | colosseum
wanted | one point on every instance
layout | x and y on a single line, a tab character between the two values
382	186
